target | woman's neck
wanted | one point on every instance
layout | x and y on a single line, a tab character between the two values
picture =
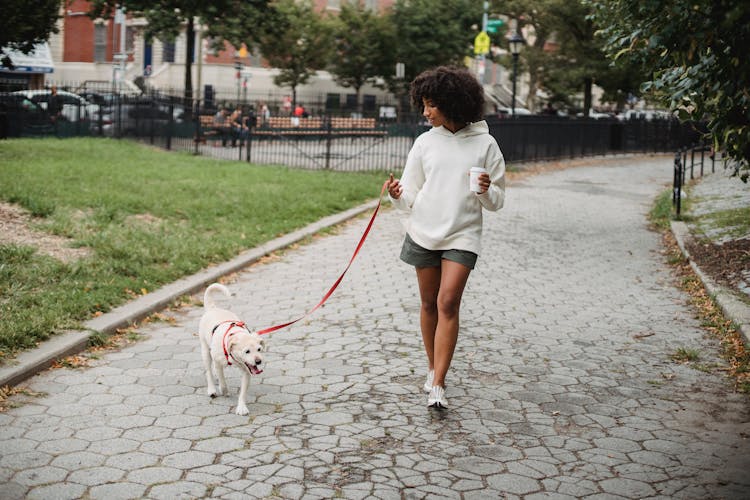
453	127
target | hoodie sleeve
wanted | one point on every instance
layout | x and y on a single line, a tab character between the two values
412	179
494	198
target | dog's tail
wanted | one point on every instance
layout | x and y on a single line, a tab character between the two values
208	301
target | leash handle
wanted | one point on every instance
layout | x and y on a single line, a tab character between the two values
338	281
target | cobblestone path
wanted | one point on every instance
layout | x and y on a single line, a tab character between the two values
562	385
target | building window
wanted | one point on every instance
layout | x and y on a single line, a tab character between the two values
167	54
100	43
334	4
129	40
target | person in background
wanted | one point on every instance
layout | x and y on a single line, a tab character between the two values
444	223
221	125
55	105
239	126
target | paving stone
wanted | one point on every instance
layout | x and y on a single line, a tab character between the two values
118	491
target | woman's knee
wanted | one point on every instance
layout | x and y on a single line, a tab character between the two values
429	307
448	304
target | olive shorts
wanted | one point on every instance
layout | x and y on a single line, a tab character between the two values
415	255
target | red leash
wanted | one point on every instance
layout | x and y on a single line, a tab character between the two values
336	283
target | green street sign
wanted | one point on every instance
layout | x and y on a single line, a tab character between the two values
494	24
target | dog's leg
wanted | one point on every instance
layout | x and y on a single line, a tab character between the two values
222	381
241	405
206	355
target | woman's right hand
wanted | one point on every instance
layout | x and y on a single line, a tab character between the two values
394	188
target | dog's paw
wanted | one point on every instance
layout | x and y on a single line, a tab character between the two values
242	410
212	392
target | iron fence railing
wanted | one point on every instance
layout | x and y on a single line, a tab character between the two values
322	141
692	161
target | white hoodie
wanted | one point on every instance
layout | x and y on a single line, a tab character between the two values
444	213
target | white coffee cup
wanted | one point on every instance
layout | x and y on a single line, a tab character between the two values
474	178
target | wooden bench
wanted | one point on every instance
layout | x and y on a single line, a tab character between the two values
207	124
293	122
318	126
208	129
352	123
355	126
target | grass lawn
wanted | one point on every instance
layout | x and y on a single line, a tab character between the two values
147	216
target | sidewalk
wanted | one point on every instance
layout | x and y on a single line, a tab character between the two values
710	199
562	385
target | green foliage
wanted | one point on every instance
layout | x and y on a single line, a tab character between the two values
361	42
22	26
578	61
297	41
148	218
698	52
236	21
429	33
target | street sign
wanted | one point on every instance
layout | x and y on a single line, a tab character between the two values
482	43
494	24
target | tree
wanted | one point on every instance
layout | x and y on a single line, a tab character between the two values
360	37
429	33
296	41
579	60
224	19
698	52
23	26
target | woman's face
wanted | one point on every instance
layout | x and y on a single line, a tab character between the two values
433	114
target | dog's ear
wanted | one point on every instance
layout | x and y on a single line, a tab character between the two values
262	344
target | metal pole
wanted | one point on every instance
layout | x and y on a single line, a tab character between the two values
677	191
513	99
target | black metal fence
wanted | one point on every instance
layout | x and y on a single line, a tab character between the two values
693	161
315	142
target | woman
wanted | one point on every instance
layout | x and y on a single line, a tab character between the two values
444	225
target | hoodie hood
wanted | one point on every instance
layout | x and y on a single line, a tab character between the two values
475	128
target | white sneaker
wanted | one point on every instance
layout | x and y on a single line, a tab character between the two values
428	383
436	399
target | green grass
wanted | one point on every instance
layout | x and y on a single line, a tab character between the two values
685	355
734	223
149	217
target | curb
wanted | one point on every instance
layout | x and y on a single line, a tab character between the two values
734	309
29	363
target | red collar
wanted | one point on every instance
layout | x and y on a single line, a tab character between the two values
227	334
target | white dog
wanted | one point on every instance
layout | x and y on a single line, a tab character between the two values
225	341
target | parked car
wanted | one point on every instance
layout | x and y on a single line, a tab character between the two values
136	116
504	112
74	107
21	115
644	114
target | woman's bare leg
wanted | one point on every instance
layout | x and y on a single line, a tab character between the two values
453	277
428	279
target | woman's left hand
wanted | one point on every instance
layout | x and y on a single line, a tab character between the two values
484	183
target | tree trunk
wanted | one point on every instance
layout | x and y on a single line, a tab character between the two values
190	35
588	82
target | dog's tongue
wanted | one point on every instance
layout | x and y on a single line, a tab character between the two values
255	370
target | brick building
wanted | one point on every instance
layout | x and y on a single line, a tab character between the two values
86	51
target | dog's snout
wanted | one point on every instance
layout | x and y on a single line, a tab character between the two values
258	361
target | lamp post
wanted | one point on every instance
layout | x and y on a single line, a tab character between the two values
515	43
238	71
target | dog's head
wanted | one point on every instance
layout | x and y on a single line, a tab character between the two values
247	349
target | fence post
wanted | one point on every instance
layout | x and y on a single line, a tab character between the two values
249	141
198	131
677	183
170	126
329	138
